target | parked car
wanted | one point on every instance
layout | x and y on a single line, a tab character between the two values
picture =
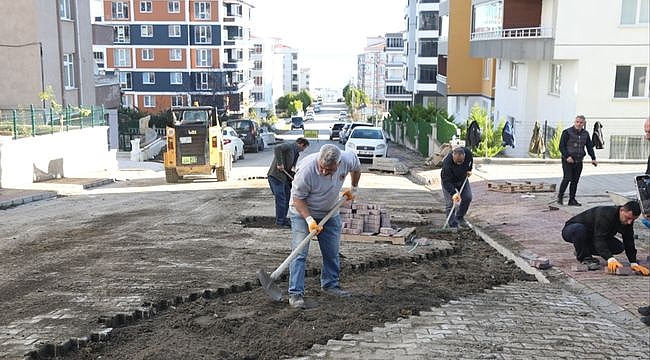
335	130
367	142
317	108
345	129
249	131
343	115
297	122
233	143
309	115
346	134
268	136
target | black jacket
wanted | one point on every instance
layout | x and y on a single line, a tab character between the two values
602	223
452	175
573	143
285	154
473	134
597	136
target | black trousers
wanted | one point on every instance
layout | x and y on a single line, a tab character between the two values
570	177
584	244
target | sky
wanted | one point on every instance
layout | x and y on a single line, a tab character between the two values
327	34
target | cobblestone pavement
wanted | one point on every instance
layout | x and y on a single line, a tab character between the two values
577	315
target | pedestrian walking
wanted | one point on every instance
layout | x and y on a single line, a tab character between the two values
316	187
592	234
573	142
280	175
456	169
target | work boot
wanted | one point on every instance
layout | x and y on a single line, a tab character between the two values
336	291
591	263
645	310
560	199
646	320
296	301
573	202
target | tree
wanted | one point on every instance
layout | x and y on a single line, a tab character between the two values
295	106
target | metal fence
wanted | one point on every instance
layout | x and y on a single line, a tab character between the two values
32	121
628	147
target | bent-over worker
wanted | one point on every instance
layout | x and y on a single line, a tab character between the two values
456	169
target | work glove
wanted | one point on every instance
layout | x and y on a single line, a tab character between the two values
640	269
350	194
456	198
469	173
613	264
313	225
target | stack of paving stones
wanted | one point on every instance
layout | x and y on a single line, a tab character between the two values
363	218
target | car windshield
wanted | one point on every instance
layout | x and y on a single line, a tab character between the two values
366	134
338	126
240	125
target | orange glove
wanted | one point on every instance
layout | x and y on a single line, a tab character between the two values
313	225
456	198
613	264
640	269
351	194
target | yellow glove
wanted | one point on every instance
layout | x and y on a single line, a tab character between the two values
350	194
456	197
469	173
640	269
313	225
613	264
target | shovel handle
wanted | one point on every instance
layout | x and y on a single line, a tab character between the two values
454	206
287	173
276	274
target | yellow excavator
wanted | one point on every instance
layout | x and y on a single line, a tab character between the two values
195	145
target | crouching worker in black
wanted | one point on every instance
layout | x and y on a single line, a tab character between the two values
592	233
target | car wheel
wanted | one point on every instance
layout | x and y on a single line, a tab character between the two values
241	156
234	156
261	145
255	148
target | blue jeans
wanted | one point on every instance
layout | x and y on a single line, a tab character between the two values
282	193
576	234
465	200
329	240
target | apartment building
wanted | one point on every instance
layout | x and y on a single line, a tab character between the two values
267	67
178	52
46	44
555	59
305	79
464	81
421	52
290	68
371	66
394	90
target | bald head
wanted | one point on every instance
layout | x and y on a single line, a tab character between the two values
646	128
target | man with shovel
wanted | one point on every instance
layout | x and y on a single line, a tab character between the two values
315	193
456	169
280	175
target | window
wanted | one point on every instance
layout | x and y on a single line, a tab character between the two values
635	12
147	54
148	78
487	69
176	78
177	100
145	6
203	57
202	10
257	96
149	101
119	10
68	71
631	81
121	34
122	57
514	74
554	81
127	101
428	20
203	34
173	6
427	74
125	80
146	30
257	65
258	80
65	10
174	31
257	48
175	54
202	81
428	48
99	58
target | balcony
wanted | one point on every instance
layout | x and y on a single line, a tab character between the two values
531	43
441	84
443	45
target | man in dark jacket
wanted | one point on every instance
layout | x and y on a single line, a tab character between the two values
280	175
592	233
456	168
572	146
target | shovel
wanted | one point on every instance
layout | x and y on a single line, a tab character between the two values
268	281
455	206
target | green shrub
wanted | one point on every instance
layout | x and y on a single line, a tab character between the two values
554	144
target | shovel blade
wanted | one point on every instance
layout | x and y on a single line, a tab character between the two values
269	285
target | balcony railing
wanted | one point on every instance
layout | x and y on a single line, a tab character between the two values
520	33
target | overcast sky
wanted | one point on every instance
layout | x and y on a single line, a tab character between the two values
328	34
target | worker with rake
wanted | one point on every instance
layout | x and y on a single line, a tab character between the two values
456	169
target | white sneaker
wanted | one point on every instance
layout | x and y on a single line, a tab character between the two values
296	301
